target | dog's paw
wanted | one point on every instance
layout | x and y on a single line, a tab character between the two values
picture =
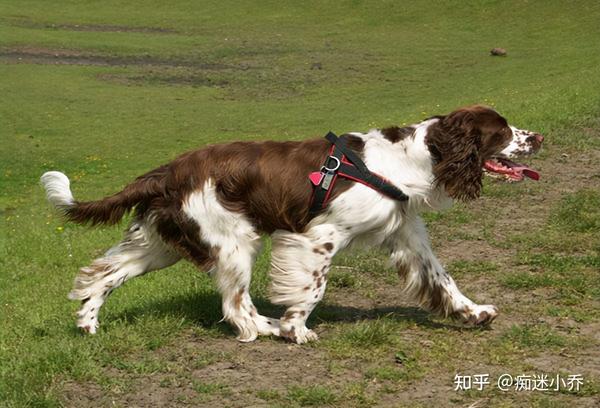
87	317
246	337
87	323
299	335
247	332
88	327
267	326
478	315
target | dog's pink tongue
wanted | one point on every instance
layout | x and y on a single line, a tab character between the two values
521	168
512	170
532	174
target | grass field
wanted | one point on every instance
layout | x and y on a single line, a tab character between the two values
105	91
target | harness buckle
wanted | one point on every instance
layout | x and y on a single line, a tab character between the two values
327	180
329	172
336	166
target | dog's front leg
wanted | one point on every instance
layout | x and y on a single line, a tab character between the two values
428	283
300	263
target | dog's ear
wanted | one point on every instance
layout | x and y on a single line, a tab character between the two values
455	143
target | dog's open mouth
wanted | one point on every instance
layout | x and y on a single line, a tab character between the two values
510	170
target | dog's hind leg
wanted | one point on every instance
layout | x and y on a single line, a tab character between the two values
232	275
300	263
140	251
233	244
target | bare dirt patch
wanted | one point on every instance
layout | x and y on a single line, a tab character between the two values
233	379
48	56
190	78
110	28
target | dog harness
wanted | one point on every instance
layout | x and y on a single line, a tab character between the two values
343	162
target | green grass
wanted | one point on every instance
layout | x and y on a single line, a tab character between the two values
242	71
535	337
210	388
571	259
311	396
343	280
471	268
405	368
579	212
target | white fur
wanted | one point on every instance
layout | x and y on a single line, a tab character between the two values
299	267
58	189
293	260
237	242
518	146
140	251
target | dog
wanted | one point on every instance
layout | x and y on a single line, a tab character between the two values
209	206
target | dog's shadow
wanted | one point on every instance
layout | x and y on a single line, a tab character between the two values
204	309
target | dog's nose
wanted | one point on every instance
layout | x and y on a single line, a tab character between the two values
535	139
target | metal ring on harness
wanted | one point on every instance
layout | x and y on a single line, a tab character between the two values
337	164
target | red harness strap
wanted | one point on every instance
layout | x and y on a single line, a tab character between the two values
343	162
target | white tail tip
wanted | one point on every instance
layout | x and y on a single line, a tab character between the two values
58	189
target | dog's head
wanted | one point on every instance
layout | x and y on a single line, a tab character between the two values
474	138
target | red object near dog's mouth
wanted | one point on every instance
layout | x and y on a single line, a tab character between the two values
511	170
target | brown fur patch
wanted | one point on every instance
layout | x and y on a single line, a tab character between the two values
460	143
354	142
248	177
395	134
288	315
183	234
328	246
99	266
290	335
111	209
237	299
464	315
403	269
431	295
283	201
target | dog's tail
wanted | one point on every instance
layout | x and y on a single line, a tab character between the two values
108	210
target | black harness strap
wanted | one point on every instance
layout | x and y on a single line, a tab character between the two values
343	162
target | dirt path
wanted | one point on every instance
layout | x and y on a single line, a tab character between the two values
50	56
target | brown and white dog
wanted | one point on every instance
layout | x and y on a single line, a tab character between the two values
210	205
